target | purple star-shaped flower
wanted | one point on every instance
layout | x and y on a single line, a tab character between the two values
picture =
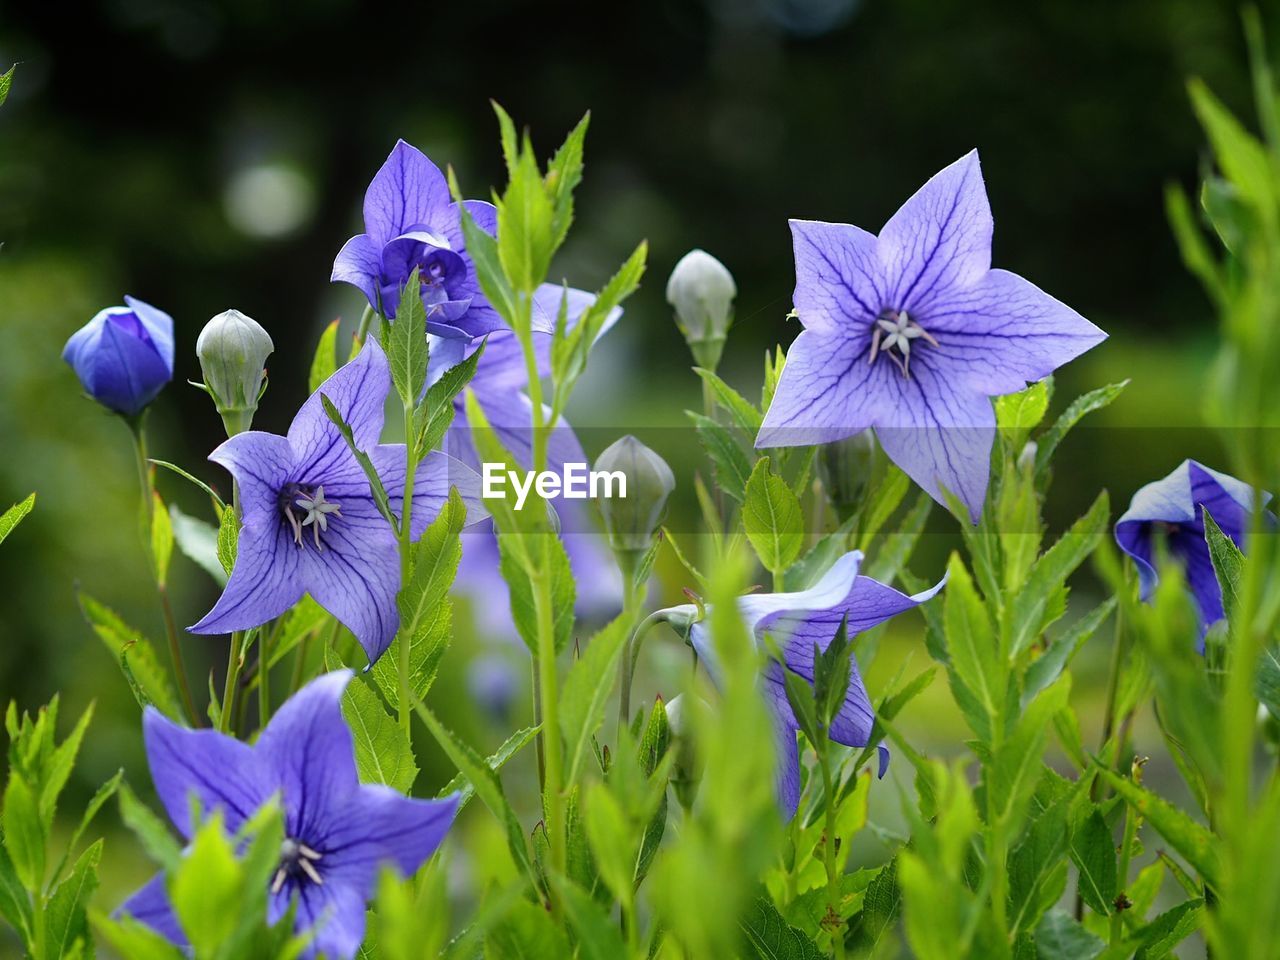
338	832
1174	508
310	523
911	331
412	223
795	622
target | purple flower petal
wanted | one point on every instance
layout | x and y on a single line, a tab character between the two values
940	434
381	826
159	327
335	913
436	474
407	191
309	749
359	391
261	464
359	263
1002	332
151	906
267	580
839	287
940	238
219	771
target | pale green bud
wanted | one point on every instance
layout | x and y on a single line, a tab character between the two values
632	520
233	351
701	289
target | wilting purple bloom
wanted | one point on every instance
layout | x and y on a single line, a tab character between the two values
797	621
911	331
1174	508
338	832
310	523
123	356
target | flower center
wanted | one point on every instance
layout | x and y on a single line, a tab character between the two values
309	502
893	331
296	858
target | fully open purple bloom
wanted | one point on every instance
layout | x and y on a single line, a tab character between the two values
310	523
911	331
339	833
123	356
795	622
1173	508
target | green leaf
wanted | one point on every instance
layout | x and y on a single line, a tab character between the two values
1166	931
613	841
24	835
482	249
484	780
132	939
13	516
324	364
1017	764
525	231
510	747
206	888
1267	684
1019	413
152	832
1047	667
96	802
435	415
1037	871
772	519
1228	564
971	643
831	672
58	769
1027	612
745	416
1093	850
810	568
1192	840
1196	256
406	343
1060	937
732	467
195	481
198	540
564	173
65	921
383	752
768	936
520	587
6	81
1239	154
161	539
884	500
597	935
15	904
130	648
362	458
228	539
1083	405
526	931
586	690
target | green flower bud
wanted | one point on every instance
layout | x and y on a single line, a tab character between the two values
233	350
632	519
686	773
701	290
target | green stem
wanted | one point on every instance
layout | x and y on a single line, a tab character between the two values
1122	868
630	654
138	428
829	853
264	679
362	330
406	556
553	798
235	653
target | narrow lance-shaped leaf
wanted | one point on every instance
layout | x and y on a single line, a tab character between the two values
362	458
324	363
13	516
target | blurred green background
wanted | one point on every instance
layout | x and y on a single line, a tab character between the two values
205	155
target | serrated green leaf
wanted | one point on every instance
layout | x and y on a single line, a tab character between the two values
13	516
613	840
383	751
206	888
324	363
598	937
1019	413
6	83
497	760
732	467
768	936
772	519
15	904
1047	667
406	343
971	642
65	919
152	832
1017	765
745	416
128	646
1161	935
24	835
1093	850
1060	937
586	690
1228	563
362	458
96	802
434	415
161	539
57	769
564	173
521	591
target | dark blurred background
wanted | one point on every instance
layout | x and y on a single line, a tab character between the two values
205	155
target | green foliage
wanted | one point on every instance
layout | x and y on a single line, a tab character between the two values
362	458
772	519
435	414
135	654
13	516
324	364
6	82
406	343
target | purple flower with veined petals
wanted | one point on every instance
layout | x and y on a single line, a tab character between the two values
1174	508
338	832
795	622
310	523
911	332
412	223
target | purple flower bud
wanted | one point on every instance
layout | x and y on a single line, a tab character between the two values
123	356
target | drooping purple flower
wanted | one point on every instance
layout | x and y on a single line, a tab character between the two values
338	832
797	621
1173	508
123	356
911	332
310	523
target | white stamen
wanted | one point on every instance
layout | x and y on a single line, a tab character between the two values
895	328
317	510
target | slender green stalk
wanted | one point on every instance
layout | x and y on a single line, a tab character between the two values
829	852
406	557
235	654
362	330
630	654
264	678
138	429
1122	868
553	798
